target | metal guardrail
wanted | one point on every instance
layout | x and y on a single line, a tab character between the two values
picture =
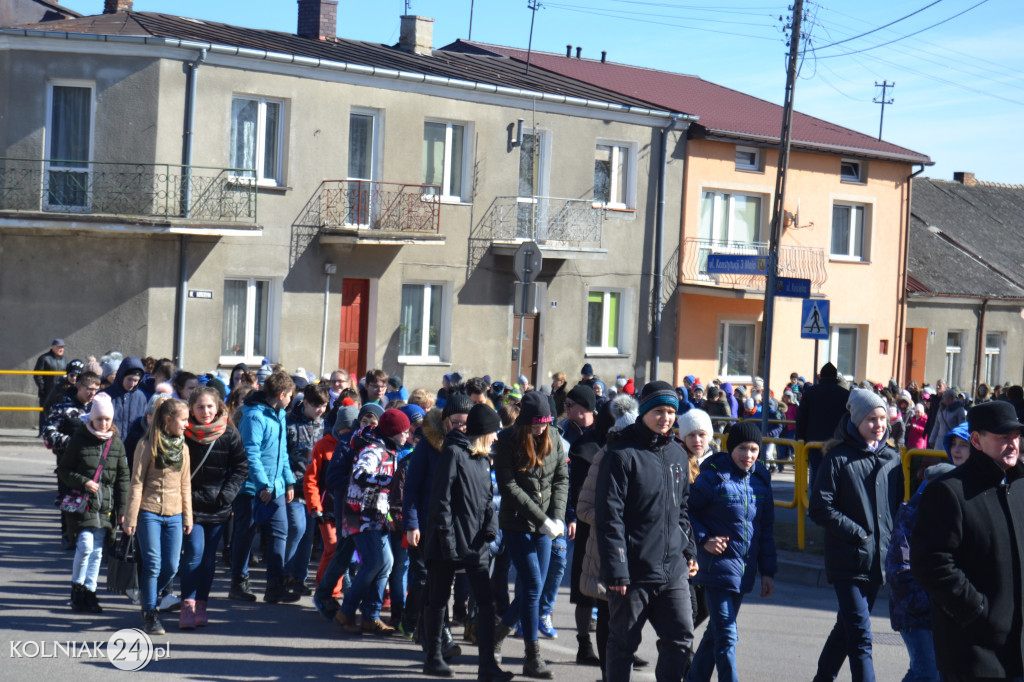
906	456
545	220
794	261
388	206
147	190
24	372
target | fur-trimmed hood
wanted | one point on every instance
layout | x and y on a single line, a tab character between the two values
433	428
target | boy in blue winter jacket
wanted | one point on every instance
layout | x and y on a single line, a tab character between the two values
732	513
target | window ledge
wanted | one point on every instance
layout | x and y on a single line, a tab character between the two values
259	186
605	354
448	201
848	181
273	189
846	259
412	361
613	208
745	169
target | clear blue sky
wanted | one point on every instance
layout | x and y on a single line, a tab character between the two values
959	94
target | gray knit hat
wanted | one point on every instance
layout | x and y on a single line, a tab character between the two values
694	420
861	402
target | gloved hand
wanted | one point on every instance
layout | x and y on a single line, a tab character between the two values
553	528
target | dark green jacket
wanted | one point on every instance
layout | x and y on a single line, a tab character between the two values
78	465
530	497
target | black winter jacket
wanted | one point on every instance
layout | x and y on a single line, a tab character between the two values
642	527
855	498
821	408
967	552
530	497
216	483
461	518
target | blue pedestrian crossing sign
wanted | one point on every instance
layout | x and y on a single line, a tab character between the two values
814	319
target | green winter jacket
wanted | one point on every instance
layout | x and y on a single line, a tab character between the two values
78	465
528	498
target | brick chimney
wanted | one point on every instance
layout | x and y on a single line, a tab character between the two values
417	35
115	6
966	179
318	19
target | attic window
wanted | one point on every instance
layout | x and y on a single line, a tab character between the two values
851	171
748	158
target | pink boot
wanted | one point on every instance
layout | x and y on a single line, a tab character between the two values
201	620
187	619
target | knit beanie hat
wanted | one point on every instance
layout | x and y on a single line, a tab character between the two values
534	408
743	432
102	406
393	423
369	408
95	367
713	393
415	413
630	387
861	402
581	394
458	403
655	394
481	421
620	381
395	382
345	419
623	411
694	420
588	370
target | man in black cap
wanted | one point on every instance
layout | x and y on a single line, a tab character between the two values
819	412
580	407
52	360
967	552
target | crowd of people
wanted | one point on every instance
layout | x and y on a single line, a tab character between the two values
405	495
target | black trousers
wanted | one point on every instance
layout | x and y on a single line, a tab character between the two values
669	611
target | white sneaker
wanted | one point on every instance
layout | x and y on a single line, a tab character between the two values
169	602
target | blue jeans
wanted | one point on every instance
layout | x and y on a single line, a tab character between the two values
200	560
88	556
556	569
921	648
718	646
299	545
160	547
336	569
245	530
531	554
851	636
367	590
399	573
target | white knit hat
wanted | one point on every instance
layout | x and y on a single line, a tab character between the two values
694	420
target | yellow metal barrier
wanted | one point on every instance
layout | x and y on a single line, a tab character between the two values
906	456
24	372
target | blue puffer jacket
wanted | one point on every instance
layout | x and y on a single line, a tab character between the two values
266	447
128	405
726	501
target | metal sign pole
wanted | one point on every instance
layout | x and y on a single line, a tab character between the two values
814	370
522	325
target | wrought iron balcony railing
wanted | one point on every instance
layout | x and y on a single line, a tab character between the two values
383	206
546	220
794	261
196	193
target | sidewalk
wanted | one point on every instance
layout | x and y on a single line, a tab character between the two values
20	437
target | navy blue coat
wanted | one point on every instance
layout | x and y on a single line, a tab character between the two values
128	405
726	501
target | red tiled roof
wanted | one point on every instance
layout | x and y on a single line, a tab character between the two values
721	110
915	286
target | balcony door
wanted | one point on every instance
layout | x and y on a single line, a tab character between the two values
68	174
533	160
363	137
729	223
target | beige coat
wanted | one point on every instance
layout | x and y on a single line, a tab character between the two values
590	576
161	491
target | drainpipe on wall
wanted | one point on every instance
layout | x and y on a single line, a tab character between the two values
186	208
901	295
659	257
980	350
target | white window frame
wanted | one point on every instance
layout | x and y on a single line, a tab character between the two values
858	177
722	197
630	150
376	152
444	340
273	308
833	347
722	362
865	246
446	195
954	358
261	140
755	165
620	332
48	166
993	356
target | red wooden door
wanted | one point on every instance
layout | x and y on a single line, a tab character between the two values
355	295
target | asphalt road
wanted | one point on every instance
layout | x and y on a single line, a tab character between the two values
780	638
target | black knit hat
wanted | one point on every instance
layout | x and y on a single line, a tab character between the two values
743	432
534	408
457	403
581	394
482	420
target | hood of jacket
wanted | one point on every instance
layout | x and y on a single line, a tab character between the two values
259	399
433	429
959	431
128	365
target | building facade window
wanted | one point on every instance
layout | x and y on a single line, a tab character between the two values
730	217
69	146
421	324
604	318
848	231
246	322
844	348
257	128
748	158
362	167
954	347
736	350
993	358
444	158
613	175
851	171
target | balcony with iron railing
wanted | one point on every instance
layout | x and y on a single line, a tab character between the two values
564	228
368	212
156	196
794	261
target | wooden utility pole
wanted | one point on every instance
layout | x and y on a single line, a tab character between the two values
772	272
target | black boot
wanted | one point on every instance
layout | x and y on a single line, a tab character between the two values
277	593
449	649
501	631
240	590
487	667
77	601
585	655
534	666
151	623
433	623
92	604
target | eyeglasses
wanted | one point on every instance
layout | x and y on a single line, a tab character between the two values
337	381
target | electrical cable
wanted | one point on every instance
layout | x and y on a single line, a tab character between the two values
875	30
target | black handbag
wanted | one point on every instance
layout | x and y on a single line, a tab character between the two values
122	567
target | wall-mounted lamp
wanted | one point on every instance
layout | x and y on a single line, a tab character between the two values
518	142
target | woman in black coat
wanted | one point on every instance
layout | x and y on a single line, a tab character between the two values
219	469
461	523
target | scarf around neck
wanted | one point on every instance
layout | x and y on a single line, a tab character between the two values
102	435
207	433
169	451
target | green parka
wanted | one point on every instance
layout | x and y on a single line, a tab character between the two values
78	465
530	497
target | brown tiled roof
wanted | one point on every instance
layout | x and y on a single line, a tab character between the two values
490	69
722	111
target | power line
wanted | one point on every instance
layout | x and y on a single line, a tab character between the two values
657	23
627	14
875	30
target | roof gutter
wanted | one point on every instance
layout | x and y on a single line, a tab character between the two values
348	67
